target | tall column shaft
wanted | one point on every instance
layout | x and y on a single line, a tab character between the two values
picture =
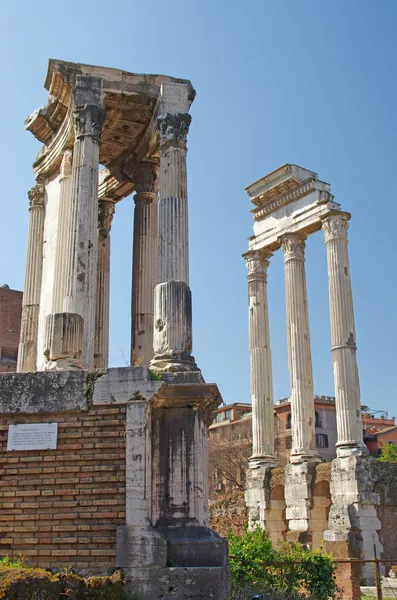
343	338
62	250
145	263
173	209
260	359
299	352
31	294
172	304
101	350
82	246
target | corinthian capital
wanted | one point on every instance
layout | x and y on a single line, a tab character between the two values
293	245
36	196
257	262
105	217
174	128
336	226
88	121
146	181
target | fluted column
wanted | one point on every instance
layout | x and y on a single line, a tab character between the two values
299	352
80	295
62	250
145	263
260	359
343	338
172	303
27	352
101	351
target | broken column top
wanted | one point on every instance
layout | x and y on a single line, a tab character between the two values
132	103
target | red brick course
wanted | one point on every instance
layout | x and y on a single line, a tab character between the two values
62	507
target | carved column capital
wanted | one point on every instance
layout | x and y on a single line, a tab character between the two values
66	164
257	262
174	128
293	245
88	121
146	182
36	196
335	226
105	217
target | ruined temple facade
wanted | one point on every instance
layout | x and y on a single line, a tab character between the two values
141	462
290	204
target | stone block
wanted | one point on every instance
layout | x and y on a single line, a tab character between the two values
141	547
124	384
43	391
194	547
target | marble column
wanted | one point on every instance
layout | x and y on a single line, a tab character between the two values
62	250
343	338
172	303
27	352
101	350
260	359
80	295
299	352
145	263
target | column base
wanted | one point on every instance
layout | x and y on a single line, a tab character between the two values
346	450
296	459
173	364
267	462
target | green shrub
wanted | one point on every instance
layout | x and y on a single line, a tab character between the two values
305	574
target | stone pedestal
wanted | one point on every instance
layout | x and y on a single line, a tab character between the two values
101	349
27	351
145	263
80	295
352	518
343	338
299	499
299	352
167	549
257	493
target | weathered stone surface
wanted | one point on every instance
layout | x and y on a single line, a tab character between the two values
42	391
125	384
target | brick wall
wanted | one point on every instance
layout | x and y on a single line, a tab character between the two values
10	325
62	507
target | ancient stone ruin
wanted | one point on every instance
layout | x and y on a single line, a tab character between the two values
106	468
290	204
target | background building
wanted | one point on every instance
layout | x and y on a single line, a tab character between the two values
230	439
10	326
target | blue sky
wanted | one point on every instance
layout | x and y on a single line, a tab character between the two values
305	81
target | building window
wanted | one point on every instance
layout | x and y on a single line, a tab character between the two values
317	421
289	421
288	442
220	417
228	414
321	440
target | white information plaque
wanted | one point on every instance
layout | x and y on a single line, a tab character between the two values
32	436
